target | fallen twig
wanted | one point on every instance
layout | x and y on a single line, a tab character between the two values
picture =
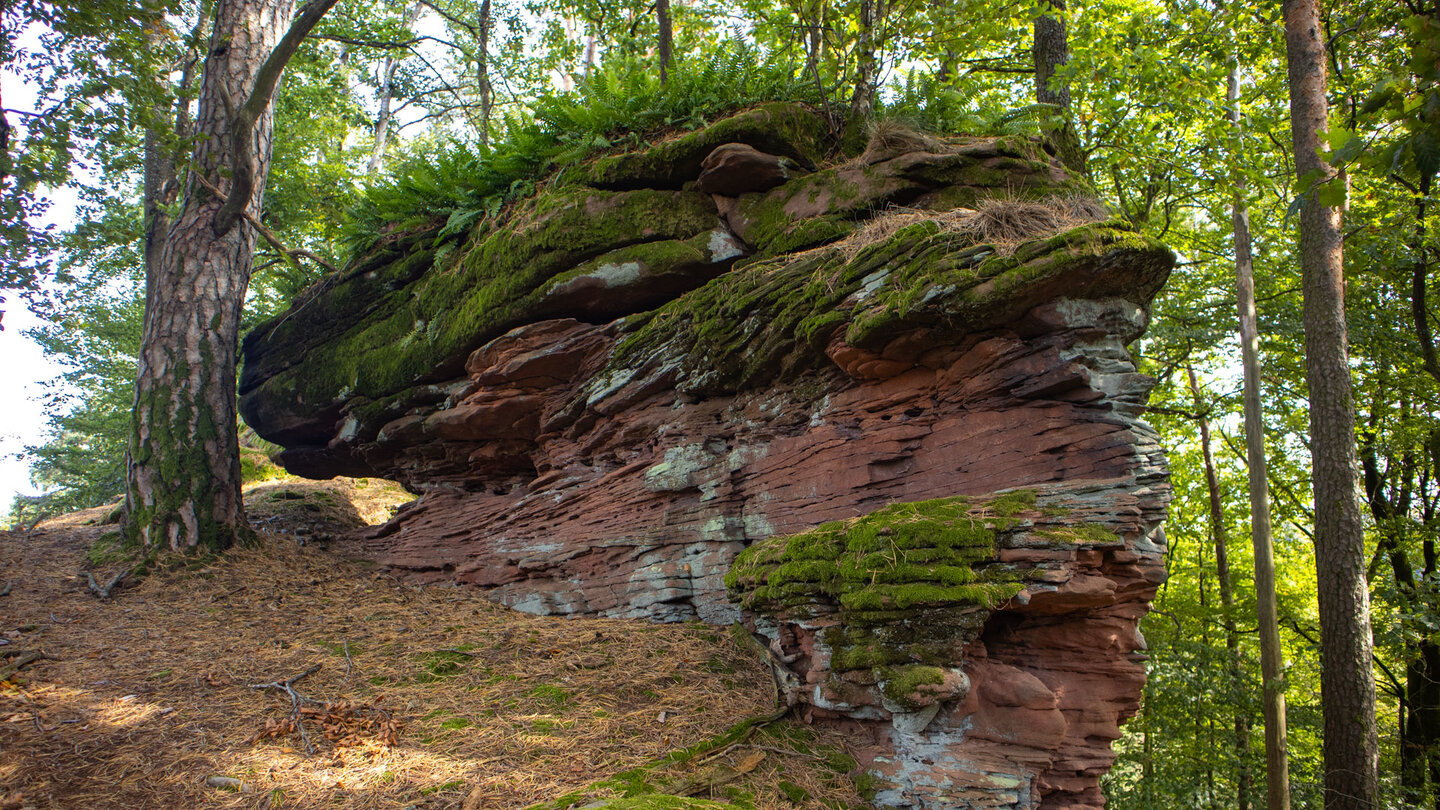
774	750
296	699
25	659
348	663
227	594
104	592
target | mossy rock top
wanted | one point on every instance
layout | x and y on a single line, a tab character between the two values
711	285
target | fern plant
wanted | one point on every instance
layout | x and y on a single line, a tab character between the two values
622	103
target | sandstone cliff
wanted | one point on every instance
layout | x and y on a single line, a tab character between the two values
912	440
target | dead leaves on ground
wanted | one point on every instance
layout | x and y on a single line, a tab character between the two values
344	724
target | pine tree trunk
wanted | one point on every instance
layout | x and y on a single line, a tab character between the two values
183	477
1272	662
1347	681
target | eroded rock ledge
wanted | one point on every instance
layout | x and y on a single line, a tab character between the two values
669	357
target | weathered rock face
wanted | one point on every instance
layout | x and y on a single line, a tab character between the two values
609	395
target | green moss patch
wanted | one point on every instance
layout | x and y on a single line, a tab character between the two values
899	558
1086	533
743	765
773	318
425	329
779	128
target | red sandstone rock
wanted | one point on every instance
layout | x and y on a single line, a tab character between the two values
736	168
572	462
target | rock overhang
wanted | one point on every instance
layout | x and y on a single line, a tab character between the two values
613	392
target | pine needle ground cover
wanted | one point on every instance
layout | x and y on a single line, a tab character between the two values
407	697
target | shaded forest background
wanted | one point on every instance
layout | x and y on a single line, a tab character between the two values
1176	111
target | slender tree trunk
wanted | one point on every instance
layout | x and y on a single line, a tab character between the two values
589	54
1347	680
1272	662
1390	497
1051	50
1220	536
387	95
482	73
183	477
662	19
813	27
867	61
161	179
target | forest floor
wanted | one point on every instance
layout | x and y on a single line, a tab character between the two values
399	696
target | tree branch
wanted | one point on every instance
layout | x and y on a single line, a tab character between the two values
382	44
288	254
242	143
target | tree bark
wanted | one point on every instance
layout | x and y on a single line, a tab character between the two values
1051	50
183	477
867	61
1347	680
1272	661
482	73
662	19
1220	536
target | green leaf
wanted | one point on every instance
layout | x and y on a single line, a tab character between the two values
1379	97
1336	137
1332	193
1349	152
1427	152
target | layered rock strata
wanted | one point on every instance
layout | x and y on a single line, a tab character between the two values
725	341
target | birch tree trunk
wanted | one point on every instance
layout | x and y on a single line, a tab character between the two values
1347	679
183	476
387	94
867	61
482	73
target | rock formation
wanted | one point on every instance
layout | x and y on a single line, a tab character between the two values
911	438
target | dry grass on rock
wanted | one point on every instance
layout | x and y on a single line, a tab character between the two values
1003	222
415	697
